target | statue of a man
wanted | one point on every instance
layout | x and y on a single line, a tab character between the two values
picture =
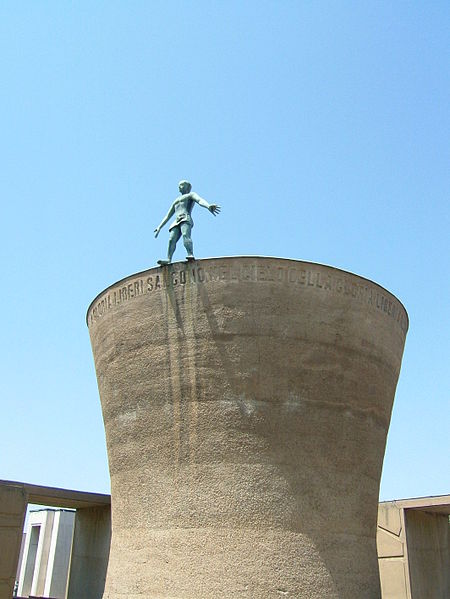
183	223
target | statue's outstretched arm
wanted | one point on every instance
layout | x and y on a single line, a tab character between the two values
164	220
213	208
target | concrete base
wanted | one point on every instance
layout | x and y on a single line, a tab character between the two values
246	404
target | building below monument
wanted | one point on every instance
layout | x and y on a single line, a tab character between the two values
413	546
412	538
91	538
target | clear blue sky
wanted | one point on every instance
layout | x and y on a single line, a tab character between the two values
322	128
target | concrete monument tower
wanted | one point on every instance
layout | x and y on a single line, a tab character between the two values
246	404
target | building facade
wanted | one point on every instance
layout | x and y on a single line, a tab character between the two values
413	543
46	553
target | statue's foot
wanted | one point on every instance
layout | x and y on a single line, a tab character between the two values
163	262
190	258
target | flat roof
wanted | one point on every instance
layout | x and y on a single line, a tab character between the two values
438	504
56	497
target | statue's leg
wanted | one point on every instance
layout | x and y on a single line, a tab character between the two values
174	236
187	240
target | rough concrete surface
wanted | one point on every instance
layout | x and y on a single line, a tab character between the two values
246	404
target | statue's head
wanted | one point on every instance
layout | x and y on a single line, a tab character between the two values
184	186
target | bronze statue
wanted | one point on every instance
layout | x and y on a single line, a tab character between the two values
183	223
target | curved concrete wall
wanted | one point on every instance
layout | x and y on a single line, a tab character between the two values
246	404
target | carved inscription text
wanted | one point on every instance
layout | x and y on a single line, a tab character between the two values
305	278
